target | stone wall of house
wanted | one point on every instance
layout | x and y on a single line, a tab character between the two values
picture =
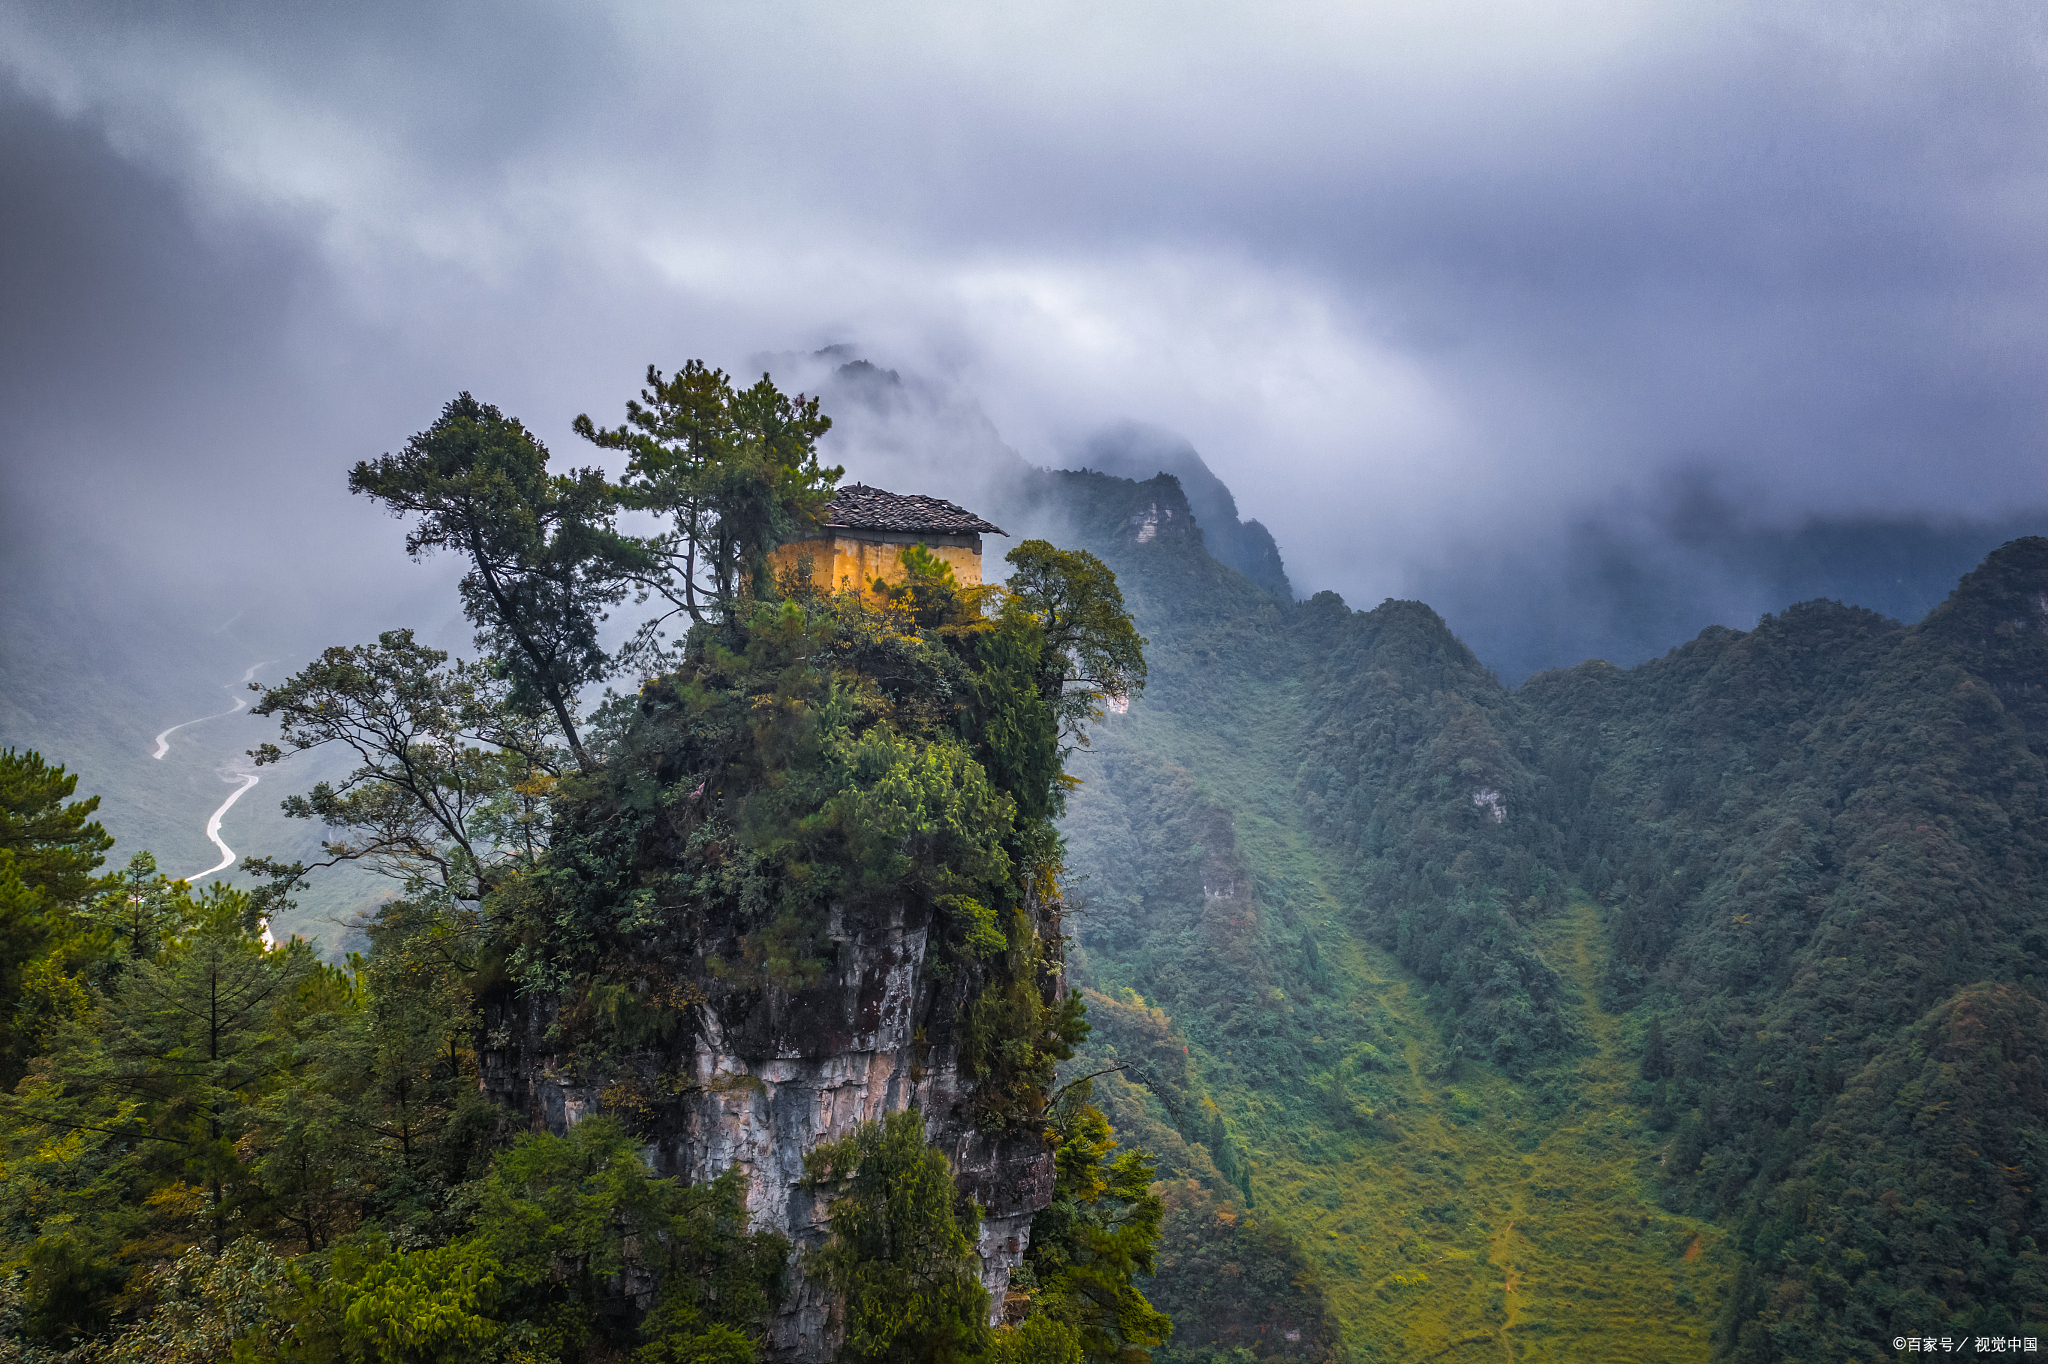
853	560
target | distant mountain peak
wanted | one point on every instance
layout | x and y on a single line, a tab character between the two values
1136	451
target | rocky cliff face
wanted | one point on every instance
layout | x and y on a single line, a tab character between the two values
760	1075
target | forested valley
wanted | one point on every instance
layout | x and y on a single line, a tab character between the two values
1344	1003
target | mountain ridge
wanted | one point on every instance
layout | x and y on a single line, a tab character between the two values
1406	924
1664	791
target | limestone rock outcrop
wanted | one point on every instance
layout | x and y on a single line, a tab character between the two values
760	1075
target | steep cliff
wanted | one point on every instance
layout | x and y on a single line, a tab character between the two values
758	1076
814	884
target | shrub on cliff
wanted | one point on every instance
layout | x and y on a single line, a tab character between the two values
1097	1238
820	755
901	1255
568	1232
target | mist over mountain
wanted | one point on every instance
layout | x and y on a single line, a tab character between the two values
1623	580
117	631
1471	997
1626	581
1517	268
1138	452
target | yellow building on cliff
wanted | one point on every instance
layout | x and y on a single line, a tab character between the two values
864	532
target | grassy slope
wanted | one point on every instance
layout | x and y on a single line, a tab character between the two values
1486	1226
1490	1230
1486	1219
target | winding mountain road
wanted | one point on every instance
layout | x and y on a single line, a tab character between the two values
247	778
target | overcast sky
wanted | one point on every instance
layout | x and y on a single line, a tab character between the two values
1409	276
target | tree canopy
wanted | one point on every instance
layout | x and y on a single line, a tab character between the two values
735	472
1090	649
545	557
320	1134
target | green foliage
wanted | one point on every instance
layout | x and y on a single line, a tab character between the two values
929	591
205	1302
1090	650
1014	728
450	775
1235	1281
714	1344
376	1303
901	1254
199	1086
1038	1339
736	472
560	1223
1410	758
793	784
1013	1038
49	842
49	849
567	1209
1811	835
142	910
1916	1201
381	1118
544	558
1096	1237
1409	1090
136	1134
1139	1067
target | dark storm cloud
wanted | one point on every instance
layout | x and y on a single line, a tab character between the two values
1418	282
169	452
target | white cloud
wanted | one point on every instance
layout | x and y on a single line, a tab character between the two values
1401	271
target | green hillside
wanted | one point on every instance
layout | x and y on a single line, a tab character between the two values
1446	1204
1422	1023
1683	1012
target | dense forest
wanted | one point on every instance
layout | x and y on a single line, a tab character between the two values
1358	1006
219	1144
1774	900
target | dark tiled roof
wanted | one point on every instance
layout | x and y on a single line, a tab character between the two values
859	507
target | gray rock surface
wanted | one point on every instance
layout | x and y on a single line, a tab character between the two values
765	1075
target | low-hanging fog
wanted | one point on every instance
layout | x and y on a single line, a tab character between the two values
1590	323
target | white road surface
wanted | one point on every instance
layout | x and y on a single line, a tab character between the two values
247	778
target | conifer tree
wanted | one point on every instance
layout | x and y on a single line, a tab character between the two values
734	472
48	840
49	848
545	560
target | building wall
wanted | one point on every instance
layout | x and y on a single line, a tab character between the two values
846	561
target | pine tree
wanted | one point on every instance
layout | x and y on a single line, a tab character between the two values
545	560
735	473
49	848
1656	1062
